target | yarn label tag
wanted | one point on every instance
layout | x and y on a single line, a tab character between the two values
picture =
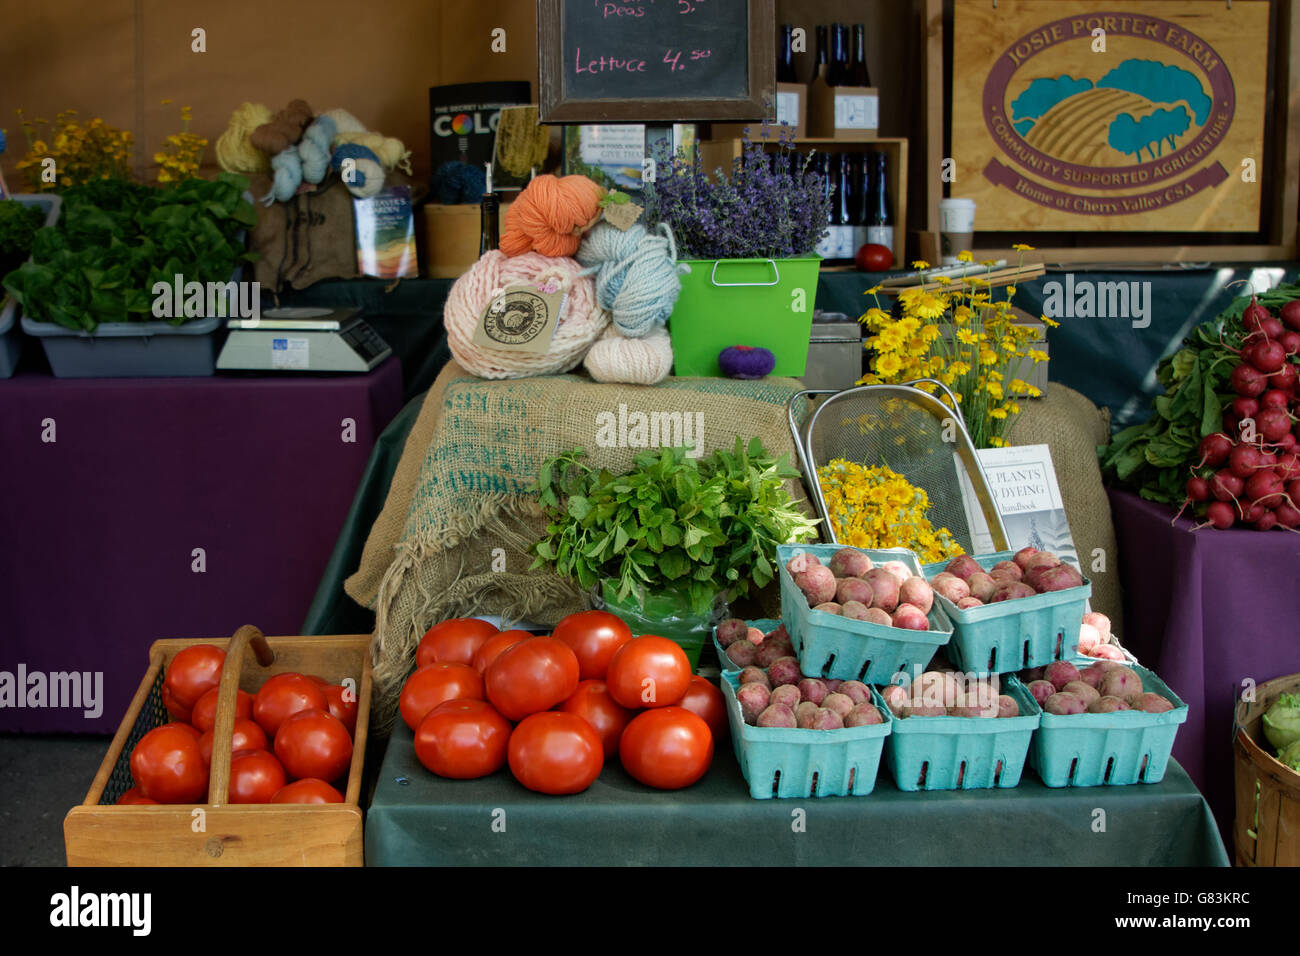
521	318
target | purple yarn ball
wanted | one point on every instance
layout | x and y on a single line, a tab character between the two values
743	361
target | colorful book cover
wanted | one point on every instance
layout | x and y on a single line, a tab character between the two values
386	234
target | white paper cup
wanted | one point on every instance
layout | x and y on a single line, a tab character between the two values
956	228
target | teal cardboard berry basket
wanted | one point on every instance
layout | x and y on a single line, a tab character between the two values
766	625
832	646
781	762
963	753
1012	635
1093	750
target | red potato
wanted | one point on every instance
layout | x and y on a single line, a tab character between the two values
895	698
1092	675
884	589
875	615
1108	652
787	695
817	584
826	719
935	689
776	716
754	675
832	683
1023	555
864	715
755	636
850	563
917	592
1063	704
801	563
784	671
1107	705
854	689
753	698
1089	637
898	569
731	630
1009	567
841	704
982	586
854	610
812	689
1082	689
1120	682
963	566
772	651
1041	690
950	586
1153	703
853	589
1061	673
966	603
742	653
1060	578
1012	592
911	618
1042	559
804	714
830	607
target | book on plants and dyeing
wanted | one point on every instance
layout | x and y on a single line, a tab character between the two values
386	234
1027	495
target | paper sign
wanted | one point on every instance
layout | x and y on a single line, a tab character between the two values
787	108
857	112
290	353
521	318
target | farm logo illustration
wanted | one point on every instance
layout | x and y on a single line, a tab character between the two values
1139	127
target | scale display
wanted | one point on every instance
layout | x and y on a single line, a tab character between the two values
303	340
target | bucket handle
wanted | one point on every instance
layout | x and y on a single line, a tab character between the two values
714	276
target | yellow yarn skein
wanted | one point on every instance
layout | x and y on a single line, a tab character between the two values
235	153
392	153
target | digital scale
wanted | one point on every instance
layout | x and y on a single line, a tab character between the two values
303	339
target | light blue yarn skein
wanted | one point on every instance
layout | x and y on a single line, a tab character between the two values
288	176
314	150
636	274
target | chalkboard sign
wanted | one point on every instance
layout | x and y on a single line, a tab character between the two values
655	60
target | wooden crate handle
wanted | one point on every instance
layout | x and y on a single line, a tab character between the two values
223	728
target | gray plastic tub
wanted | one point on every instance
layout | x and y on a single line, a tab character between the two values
129	349
11	339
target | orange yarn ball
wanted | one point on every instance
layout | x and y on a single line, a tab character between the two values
550	216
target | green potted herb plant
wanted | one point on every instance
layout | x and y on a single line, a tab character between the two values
21	216
666	545
749	239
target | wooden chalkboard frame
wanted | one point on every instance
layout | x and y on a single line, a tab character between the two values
554	108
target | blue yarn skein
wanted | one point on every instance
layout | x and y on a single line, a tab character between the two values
314	150
288	176
367	174
636	274
456	182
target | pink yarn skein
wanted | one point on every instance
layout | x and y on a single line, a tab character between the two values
580	324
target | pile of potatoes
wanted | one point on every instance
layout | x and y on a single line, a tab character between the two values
948	693
1101	688
745	645
781	696
966	584
853	587
1096	640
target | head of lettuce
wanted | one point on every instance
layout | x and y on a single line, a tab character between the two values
1282	721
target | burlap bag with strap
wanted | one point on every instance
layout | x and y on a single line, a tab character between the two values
454	534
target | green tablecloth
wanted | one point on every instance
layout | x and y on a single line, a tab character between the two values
416	818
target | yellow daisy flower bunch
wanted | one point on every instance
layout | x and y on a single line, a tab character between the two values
179	158
960	335
82	152
878	508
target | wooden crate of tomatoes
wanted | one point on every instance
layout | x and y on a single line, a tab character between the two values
556	708
226	761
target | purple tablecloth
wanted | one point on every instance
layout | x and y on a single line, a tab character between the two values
1207	609
99	528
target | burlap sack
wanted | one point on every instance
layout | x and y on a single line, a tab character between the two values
454	534
1072	427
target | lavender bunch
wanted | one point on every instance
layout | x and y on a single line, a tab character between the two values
762	211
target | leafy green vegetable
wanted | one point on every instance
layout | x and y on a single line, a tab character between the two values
1155	458
116	239
18	224
1282	721
1290	755
701	526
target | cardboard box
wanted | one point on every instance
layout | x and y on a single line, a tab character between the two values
451	238
849	113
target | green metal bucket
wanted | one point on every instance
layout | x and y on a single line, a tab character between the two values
764	303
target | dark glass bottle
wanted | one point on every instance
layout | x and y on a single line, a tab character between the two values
489	222
819	62
849	178
859	75
785	56
880	218
837	69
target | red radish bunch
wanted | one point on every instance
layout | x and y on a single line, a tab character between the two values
1249	473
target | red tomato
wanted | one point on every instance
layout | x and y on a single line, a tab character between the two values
168	767
342	703
193	672
649	671
284	695
873	257
314	743
307	790
591	702
174	710
133	797
434	683
491	649
531	676
704	700
668	748
190	728
594	636
554	752
246	735
453	641
255	777
463	739
204	713
320	681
